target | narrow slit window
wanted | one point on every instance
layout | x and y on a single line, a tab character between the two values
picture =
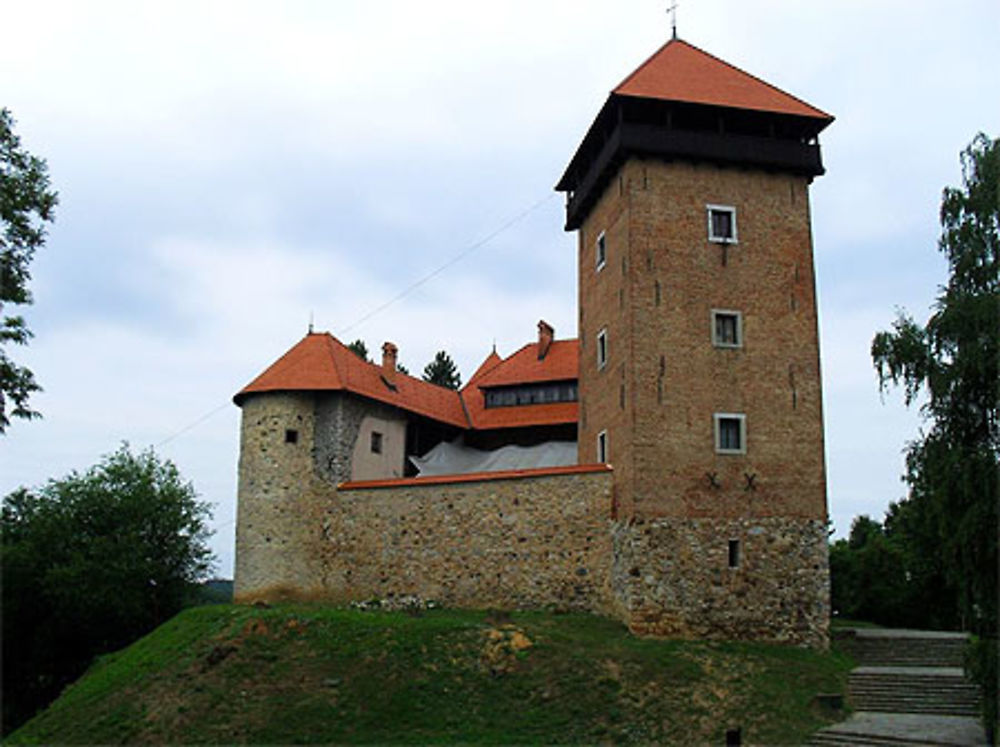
602	447
376	442
602	349
600	252
722	224
734	553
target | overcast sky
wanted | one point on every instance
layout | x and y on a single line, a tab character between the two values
228	170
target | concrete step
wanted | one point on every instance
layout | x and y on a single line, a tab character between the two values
932	690
898	730
878	647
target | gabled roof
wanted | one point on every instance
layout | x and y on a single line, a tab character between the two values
320	362
561	363
679	71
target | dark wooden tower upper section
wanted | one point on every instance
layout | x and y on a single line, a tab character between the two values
684	104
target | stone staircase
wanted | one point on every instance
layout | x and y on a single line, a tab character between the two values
909	689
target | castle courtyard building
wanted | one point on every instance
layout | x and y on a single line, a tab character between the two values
666	466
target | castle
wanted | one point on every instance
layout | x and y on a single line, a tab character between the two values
694	503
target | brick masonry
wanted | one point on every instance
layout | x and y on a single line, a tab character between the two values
664	379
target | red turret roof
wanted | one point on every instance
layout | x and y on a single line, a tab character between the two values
320	362
679	71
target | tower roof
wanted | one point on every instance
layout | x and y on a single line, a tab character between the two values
679	71
685	104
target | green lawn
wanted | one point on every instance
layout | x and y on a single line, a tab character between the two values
312	674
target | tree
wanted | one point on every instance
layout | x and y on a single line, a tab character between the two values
443	371
91	562
359	348
952	470
26	203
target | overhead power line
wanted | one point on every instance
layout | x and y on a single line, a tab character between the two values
398	297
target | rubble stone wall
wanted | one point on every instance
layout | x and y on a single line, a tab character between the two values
673	578
539	541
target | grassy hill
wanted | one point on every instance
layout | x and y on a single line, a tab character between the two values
309	673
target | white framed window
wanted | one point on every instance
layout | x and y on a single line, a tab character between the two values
602	447
602	349
727	328
600	252
722	224
730	432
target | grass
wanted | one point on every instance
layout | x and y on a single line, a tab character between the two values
316	674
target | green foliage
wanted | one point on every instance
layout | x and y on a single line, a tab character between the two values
359	348
26	204
443	371
952	470
313	674
91	562
880	575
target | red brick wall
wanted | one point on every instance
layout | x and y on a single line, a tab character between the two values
661	432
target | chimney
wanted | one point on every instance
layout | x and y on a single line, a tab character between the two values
389	364
545	335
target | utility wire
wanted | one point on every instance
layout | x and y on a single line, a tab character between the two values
454	260
399	296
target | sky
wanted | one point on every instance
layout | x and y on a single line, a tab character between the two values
229	171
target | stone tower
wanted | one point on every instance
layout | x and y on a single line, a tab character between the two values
699	355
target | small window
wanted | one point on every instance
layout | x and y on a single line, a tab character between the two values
734	553
722	224
602	447
600	252
730	433
727	329
291	436
602	349
376	442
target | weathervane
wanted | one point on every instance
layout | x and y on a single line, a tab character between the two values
672	10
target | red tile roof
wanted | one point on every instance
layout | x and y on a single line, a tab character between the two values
561	363
679	71
320	362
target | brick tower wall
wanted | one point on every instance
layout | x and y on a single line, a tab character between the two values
682	504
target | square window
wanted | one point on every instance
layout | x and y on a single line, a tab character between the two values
291	436
722	224
601	252
727	328
730	433
602	447
376	442
602	349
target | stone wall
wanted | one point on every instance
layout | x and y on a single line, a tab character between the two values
673	578
272	521
529	541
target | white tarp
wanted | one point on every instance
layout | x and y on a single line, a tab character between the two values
457	459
